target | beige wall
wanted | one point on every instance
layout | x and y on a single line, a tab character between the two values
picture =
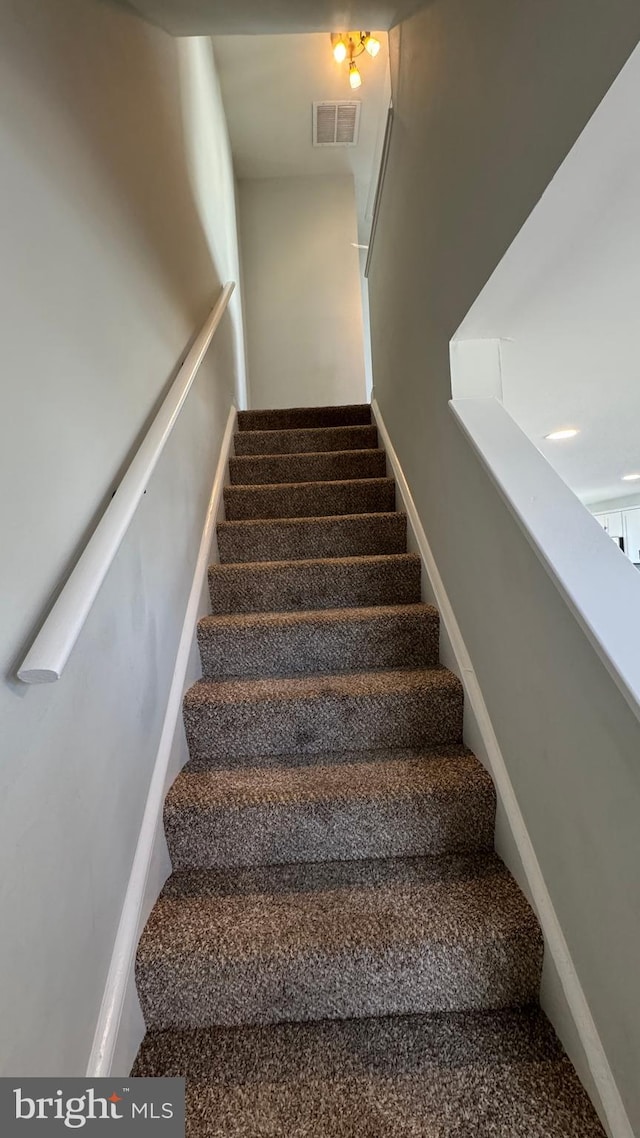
488	99
302	293
106	274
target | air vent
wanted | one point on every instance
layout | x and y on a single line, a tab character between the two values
336	124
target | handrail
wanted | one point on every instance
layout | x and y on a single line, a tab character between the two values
48	655
377	202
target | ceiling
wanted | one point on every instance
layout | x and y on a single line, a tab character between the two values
256	17
269	84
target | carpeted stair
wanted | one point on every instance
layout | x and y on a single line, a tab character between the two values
324	640
307	539
338	953
323	583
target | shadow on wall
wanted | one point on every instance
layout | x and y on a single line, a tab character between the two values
210	172
91	101
124	189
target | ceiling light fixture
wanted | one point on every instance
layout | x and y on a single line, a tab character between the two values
630	477
349	45
564	433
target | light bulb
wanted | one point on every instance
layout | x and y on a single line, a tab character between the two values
340	51
355	78
372	45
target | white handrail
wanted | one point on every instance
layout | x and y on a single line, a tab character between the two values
46	660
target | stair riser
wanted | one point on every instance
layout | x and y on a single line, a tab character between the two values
405	979
269	648
358	535
311	499
305	441
330	467
292	418
287	587
218	733
271	835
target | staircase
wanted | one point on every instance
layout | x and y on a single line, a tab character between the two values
338	952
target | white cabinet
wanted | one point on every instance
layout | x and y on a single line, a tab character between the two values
612	523
631	520
625	525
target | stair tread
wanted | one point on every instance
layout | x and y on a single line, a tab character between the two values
268	419
337	938
331	408
372	776
321	484
309	455
318	582
383	804
330	535
314	617
302	440
425	1075
312	519
303	499
228	719
310	466
318	640
314	583
383	559
283	689
328	758
331	907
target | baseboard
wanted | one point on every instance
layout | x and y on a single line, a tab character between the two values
565	1002
120	1027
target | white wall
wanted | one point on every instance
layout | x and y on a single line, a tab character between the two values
107	272
563	304
303	305
488	100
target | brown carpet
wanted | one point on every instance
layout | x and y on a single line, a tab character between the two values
338	953
304	539
458	1075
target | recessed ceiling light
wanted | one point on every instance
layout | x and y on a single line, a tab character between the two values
356	246
565	433
630	477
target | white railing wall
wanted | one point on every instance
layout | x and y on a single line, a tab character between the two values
601	587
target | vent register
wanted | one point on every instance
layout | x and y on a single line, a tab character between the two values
336	123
